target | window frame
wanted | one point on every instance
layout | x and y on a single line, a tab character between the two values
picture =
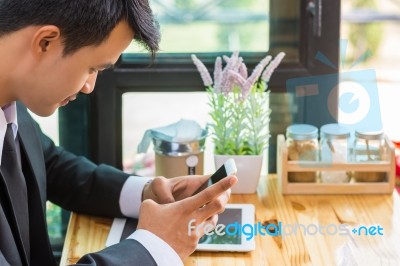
176	73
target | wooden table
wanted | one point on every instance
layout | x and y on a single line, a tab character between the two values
88	234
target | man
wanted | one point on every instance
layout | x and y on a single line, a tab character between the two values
49	52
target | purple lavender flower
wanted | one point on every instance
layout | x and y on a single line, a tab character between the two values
233	64
255	75
243	71
235	72
246	83
237	78
217	74
205	76
226	58
266	75
240	111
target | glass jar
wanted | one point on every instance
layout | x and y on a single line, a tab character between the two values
302	144
334	145
369	147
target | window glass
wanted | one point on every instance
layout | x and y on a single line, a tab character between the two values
370	38
290	29
211	26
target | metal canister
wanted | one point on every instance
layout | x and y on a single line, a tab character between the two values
179	158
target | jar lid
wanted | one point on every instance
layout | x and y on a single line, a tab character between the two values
369	135
302	132
334	131
177	149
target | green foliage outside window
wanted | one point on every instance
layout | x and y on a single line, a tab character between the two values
53	221
365	36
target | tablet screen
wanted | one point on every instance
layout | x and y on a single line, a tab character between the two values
229	216
231	220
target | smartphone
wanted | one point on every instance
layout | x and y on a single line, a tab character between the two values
228	168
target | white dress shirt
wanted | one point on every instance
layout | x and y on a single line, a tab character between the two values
130	198
8	114
129	201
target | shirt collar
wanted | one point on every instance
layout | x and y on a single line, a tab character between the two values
8	114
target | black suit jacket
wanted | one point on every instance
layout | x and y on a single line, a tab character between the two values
74	183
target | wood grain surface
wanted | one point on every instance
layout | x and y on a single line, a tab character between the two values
306	246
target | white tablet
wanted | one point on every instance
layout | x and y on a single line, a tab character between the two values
234	232
121	228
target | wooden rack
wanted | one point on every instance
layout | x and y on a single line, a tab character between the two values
285	166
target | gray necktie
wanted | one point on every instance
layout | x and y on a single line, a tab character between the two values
16	186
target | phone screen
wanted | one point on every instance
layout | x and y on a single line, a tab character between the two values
220	174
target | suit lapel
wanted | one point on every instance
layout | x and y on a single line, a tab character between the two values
33	166
41	253
8	247
30	144
12	218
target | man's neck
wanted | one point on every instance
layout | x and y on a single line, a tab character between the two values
9	60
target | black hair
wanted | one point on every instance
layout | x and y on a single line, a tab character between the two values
82	22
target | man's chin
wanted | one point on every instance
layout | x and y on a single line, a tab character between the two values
43	112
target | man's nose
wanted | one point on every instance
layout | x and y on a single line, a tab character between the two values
89	84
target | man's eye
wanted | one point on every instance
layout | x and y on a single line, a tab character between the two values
96	71
92	71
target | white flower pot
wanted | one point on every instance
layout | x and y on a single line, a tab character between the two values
248	171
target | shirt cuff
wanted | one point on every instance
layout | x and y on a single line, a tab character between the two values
131	195
161	252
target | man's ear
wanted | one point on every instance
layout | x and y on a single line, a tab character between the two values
45	39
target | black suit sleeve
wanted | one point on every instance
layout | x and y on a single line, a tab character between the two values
128	252
76	184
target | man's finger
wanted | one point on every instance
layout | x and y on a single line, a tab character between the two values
212	192
215	206
185	186
210	224
201	180
162	191
195	180
193	177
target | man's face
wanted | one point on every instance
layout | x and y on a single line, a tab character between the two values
55	80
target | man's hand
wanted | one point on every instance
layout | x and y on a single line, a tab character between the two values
170	221
163	190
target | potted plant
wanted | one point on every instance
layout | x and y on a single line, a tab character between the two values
240	114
